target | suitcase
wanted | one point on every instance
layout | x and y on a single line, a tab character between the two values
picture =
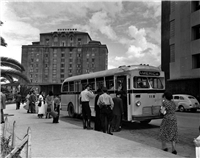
53	114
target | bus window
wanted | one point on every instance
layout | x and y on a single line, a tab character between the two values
92	83
155	83
141	82
99	83
65	87
83	83
77	86
110	82
71	86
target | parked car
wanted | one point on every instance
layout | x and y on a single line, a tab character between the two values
186	102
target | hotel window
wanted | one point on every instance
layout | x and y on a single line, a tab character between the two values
172	28
70	60
88	55
62	76
93	54
63	43
47	41
93	59
196	61
62	60
70	65
62	65
62	55
172	53
196	32
62	70
46	55
79	41
55	40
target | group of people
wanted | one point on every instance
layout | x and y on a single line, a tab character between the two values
47	106
109	111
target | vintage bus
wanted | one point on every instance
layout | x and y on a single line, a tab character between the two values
142	87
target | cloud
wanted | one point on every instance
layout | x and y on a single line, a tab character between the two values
101	22
139	49
153	9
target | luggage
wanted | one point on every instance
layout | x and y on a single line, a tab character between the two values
53	114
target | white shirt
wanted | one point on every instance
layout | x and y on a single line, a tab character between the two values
106	99
86	95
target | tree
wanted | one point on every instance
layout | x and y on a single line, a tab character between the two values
16	68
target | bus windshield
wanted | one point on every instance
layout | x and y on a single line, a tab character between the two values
148	82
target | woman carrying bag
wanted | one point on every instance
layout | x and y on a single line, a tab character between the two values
168	127
56	109
49	102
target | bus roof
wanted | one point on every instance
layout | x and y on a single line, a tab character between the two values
111	72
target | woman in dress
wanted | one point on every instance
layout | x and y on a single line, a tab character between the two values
168	127
49	102
41	106
56	108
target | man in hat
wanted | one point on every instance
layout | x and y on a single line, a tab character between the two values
86	95
106	104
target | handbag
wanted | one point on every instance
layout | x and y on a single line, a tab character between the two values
163	110
53	114
40	103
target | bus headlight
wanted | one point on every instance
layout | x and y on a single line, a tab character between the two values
138	103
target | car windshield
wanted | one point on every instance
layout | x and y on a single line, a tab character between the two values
190	97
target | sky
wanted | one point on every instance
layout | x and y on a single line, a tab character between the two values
131	30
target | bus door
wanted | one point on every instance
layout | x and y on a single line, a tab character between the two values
122	86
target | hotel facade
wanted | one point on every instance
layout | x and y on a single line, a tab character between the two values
180	46
61	54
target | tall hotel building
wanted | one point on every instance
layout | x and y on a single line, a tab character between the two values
61	54
180	46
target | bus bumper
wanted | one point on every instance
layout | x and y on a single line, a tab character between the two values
143	118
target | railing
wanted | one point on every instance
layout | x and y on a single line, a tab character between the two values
25	142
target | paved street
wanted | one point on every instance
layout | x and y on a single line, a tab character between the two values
148	134
68	140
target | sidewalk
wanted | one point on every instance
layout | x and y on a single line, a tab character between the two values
67	140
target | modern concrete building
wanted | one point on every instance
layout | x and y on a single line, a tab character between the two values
61	54
180	46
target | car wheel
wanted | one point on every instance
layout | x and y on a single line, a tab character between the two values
181	108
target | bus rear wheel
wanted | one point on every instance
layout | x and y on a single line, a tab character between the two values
145	122
71	112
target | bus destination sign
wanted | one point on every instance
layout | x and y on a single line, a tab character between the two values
149	73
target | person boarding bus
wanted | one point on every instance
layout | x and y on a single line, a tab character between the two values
86	95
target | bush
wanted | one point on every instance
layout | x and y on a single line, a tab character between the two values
6	148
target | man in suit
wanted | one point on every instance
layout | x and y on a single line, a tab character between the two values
117	112
2	105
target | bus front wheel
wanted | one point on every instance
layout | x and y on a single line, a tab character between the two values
145	122
71	112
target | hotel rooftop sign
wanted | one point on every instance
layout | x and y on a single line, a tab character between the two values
67	30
